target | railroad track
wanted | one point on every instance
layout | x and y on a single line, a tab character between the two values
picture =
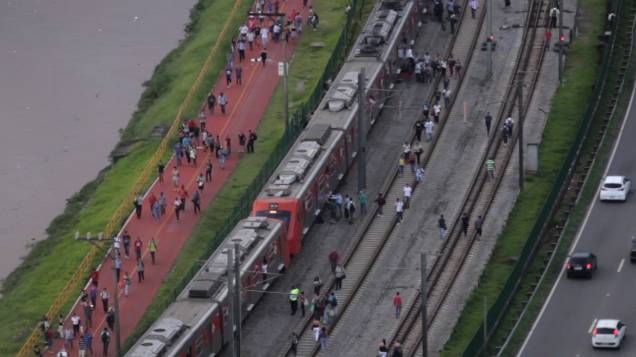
456	250
375	231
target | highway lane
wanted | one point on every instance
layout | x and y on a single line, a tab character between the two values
565	324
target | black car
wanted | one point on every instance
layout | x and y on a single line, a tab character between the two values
581	264
632	252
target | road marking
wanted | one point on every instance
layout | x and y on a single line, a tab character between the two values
620	266
592	326
580	232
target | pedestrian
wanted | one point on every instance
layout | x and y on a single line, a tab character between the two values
175	176
317	283
478	224
163	202
488	122
239	75
363	200
82	346
419	174
177	207
293	299
138	202
340	275
211	103
294	343
408	192
314	20
399	210
474	5
397	304
140	270
504	134
548	39
152	248
94	277
490	167
322	338
381	201
160	169
251	139
351	208
110	318
228	76
315	328
87	307
69	336
419	126
75	322
383	351
60	326
208	171
105	335
447	97
222	156
333	260
441	225
241	50
93	295
88	340
418	149
263	57
196	201
265	37
138	245
465	221
193	155
401	163
302	300
223	102
458	69
104	295
127	283
117	266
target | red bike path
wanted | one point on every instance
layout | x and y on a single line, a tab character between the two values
246	106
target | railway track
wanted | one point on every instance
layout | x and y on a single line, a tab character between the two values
456	250
376	230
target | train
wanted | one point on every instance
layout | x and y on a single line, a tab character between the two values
197	323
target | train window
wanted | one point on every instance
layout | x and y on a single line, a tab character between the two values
280	215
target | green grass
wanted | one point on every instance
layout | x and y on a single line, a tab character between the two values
30	289
568	107
305	71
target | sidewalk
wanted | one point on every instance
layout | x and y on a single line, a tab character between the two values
246	105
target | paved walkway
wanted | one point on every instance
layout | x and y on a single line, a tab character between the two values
246	105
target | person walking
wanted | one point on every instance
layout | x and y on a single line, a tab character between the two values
317	283
223	102
465	223
196	201
239	75
293	338
340	275
302	300
160	169
88	340
117	266
333	260
152	248
104	295
479	222
350	207
490	168
441	225
138	245
428	127
138	202
110	318
363	199
251	139
397	304
548	39
127	283
228	76
177	207
208	171
322	338
474	5
69	336
211	103
87	307
75	322
293	299
488	122
381	201
82	346
140	270
105	336
399	210
408	192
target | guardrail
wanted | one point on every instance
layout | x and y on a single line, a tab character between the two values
497	310
124	208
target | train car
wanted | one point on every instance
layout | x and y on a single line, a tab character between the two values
323	153
197	323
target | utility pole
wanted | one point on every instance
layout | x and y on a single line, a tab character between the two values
117	327
285	80
362	133
235	349
520	143
237	300
485	326
561	44
489	43
424	293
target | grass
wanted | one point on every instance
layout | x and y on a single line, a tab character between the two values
587	195
568	107
30	289
305	72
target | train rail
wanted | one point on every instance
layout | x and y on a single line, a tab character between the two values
375	230
455	251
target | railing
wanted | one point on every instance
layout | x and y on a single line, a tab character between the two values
140	185
497	310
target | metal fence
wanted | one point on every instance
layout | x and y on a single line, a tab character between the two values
497	310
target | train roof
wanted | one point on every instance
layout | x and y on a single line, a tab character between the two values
200	298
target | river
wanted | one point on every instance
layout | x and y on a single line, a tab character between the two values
70	77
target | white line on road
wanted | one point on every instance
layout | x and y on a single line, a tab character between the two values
620	266
592	326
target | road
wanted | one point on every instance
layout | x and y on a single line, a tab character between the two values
565	323
71	74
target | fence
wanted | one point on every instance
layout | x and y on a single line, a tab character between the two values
497	310
120	214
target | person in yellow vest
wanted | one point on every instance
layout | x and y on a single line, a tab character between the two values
293	299
152	247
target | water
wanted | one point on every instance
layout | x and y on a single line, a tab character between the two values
70	77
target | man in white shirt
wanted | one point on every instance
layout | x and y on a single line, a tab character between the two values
474	5
408	192
428	128
399	210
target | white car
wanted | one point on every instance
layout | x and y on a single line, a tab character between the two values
615	188
608	334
